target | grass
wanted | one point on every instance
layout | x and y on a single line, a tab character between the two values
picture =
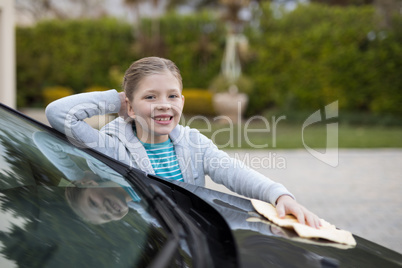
284	135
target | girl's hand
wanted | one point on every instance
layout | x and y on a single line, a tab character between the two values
123	105
287	205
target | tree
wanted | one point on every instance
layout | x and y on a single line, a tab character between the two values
387	9
37	10
134	6
344	2
153	44
194	4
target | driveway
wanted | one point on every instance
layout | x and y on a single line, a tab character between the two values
363	194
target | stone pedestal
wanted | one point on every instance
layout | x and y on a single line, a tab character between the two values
230	106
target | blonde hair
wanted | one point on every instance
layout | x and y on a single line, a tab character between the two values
145	67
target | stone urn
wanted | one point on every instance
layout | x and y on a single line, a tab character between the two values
230	105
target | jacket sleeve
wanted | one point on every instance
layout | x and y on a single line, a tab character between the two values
238	177
67	116
57	152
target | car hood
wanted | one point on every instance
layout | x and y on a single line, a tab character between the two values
263	244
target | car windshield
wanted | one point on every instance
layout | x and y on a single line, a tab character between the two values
61	207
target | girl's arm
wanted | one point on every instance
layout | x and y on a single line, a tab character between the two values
243	180
238	177
67	116
57	152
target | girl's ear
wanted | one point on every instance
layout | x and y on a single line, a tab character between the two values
130	110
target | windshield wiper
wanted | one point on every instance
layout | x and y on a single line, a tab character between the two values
179	225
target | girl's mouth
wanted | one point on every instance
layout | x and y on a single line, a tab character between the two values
163	118
112	207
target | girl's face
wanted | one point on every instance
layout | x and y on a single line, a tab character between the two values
156	107
103	204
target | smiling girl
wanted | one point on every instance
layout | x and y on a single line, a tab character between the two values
147	135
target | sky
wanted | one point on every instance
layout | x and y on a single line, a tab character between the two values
118	9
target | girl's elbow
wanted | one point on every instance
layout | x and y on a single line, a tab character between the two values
50	110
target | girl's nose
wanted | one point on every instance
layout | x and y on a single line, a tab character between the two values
102	209
163	106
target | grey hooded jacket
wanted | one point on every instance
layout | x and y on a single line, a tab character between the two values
197	155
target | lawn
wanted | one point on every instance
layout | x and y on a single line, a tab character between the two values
261	134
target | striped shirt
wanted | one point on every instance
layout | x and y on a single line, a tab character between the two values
164	160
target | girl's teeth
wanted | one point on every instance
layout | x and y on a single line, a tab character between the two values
163	119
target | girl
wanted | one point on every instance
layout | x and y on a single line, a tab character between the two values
147	135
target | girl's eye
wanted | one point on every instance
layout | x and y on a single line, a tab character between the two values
149	97
173	96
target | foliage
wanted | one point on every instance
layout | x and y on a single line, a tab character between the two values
194	42
198	102
318	54
42	9
343	2
302	59
71	53
54	93
221	84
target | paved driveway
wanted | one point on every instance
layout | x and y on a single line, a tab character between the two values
363	194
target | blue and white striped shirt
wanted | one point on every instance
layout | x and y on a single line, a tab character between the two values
164	160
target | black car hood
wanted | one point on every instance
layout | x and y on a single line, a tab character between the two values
257	242
262	244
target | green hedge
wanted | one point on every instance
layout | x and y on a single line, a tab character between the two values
303	60
194	42
76	54
318	54
198	102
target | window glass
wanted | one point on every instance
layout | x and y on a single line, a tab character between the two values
57	201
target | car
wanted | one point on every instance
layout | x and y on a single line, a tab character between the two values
62	205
